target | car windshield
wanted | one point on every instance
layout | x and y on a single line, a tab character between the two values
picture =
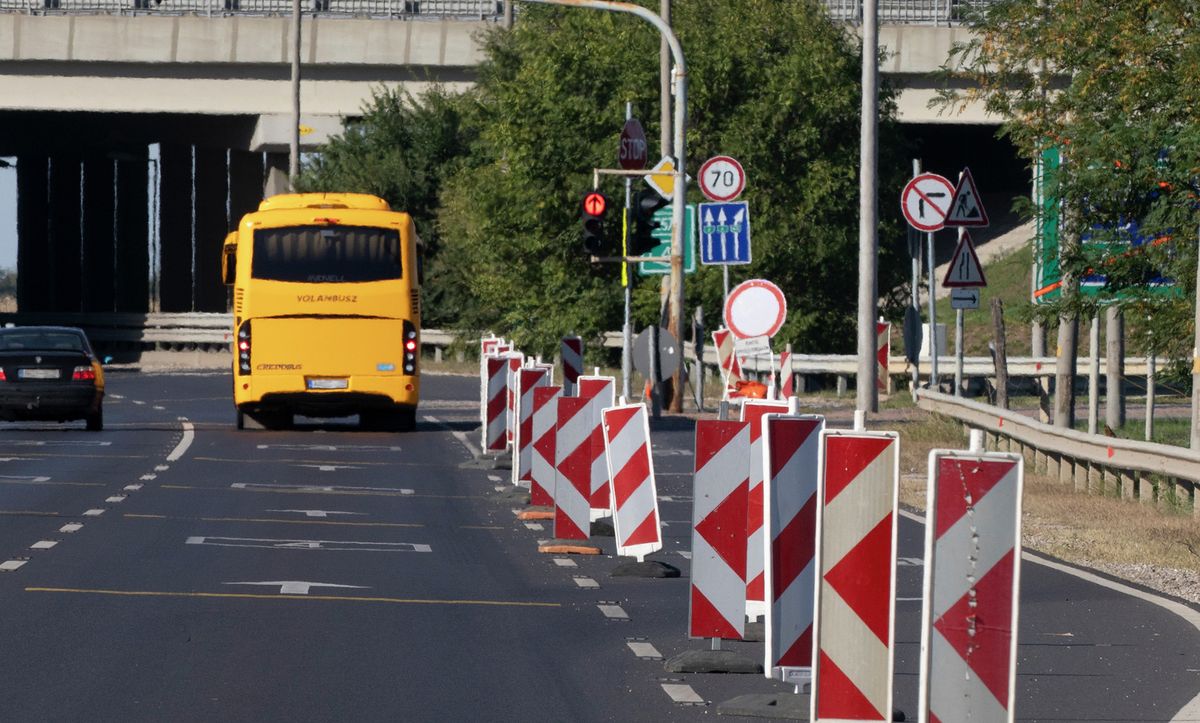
41	341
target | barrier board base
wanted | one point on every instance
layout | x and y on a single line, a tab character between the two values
567	547
647	568
536	513
712	661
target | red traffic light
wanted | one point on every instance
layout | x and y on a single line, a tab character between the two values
595	204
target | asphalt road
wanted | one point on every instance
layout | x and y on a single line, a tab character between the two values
175	569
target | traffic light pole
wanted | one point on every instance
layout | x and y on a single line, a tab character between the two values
676	324
627	282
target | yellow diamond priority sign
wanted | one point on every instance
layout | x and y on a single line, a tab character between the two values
662	179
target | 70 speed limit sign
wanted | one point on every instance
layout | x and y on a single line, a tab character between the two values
722	178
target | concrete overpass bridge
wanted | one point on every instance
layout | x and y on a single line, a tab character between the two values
88	86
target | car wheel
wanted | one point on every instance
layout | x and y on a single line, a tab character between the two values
241	419
95	421
265	420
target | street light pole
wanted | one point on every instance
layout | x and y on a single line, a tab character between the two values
676	324
294	136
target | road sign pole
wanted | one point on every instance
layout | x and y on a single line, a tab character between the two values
914	246
933	335
958	337
627	328
867	392
725	285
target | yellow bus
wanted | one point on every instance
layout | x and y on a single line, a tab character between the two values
326	311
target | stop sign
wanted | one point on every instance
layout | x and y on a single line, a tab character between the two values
633	152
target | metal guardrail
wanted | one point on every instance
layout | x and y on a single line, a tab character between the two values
1091	462
899	12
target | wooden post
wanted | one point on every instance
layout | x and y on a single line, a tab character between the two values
999	353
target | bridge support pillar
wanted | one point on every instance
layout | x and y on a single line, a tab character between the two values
212	192
66	242
277	175
33	248
175	228
245	184
132	245
98	250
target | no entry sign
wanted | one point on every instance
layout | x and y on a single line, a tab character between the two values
755	308
926	201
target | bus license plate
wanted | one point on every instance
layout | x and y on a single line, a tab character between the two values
328	383
38	373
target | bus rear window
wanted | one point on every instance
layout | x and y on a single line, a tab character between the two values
329	254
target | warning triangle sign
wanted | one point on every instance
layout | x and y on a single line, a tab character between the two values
966	209
965	270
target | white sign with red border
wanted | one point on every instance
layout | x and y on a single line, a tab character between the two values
722	178
966	209
926	201
755	308
964	270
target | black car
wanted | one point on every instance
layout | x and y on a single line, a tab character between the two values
50	373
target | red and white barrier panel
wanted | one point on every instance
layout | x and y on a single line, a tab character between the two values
543	430
495	427
516	360
731	368
854	618
883	350
791	446
573	465
720	488
753	411
528	379
972	582
602	393
572	363
631	468
487	347
787	380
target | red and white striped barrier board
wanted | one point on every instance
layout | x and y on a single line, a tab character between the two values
854	620
631	468
787	380
543	431
720	488
602	392
972	581
516	360
528	379
573	465
791	445
495	428
731	367
572	363
487	347
883	349
753	411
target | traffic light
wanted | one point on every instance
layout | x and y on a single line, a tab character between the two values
595	205
645	203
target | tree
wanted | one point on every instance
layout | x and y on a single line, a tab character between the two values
401	150
1112	85
548	107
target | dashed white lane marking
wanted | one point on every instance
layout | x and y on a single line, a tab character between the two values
685	554
115	499
458	434
138	402
71	527
501	488
495	478
563	562
43	544
682	694
297	587
93	513
320	513
535	526
23	479
132	488
117	396
316	488
11	565
189	433
161	467
160	408
613	612
585	582
310	544
148	477
645	651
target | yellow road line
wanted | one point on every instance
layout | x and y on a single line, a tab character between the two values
28	513
331	598
316	491
50	484
278	520
339	463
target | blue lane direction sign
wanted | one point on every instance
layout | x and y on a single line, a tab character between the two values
663	249
725	233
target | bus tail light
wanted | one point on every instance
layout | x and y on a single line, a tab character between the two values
412	348
243	347
2	377
83	374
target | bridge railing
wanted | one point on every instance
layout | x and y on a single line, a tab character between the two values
409	9
899	12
